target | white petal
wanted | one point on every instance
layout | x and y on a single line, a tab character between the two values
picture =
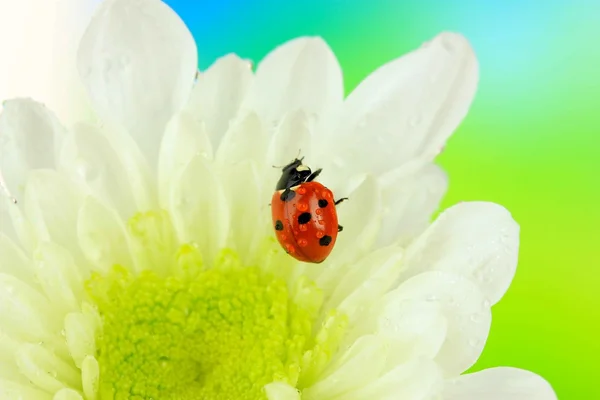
138	60
218	94
361	364
409	201
15	224
30	137
478	240
199	208
59	276
407	108
51	204
39	40
466	310
247	207
6	224
413	329
500	383
184	138
102	236
291	139
16	391
246	138
138	172
360	217
67	394
368	279
89	159
300	74
24	312
45	369
281	391
415	380
14	262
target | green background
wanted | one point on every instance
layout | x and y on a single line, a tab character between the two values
531	142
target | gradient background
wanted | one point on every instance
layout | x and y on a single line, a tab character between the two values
531	142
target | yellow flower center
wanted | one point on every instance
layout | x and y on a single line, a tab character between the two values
198	333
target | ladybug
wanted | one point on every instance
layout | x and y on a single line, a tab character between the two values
304	214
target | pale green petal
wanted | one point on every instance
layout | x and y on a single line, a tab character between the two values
45	369
80	334
281	391
153	241
8	370
17	391
90	376
67	394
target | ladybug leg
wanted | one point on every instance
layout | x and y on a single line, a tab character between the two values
340	228
340	200
314	175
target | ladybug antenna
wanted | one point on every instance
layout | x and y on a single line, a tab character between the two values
296	158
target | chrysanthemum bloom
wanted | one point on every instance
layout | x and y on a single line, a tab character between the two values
138	260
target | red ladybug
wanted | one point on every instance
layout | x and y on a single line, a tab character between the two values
304	214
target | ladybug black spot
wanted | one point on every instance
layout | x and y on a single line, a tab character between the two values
304	218
278	225
287	195
323	203
325	240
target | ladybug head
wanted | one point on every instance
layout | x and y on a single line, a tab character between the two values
293	174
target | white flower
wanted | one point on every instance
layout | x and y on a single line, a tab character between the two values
139	261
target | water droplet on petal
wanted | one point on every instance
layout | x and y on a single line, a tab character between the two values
415	120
